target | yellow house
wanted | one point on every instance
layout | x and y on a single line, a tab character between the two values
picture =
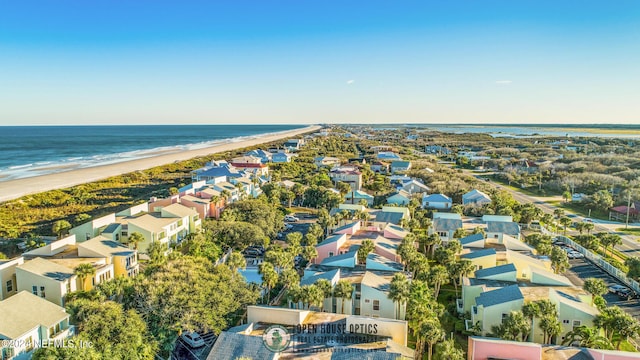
481	259
156	228
29	320
8	283
187	214
46	279
123	259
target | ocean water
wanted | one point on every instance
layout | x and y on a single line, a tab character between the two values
27	151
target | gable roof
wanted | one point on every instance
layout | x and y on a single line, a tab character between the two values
443	224
400	163
230	346
345	227
24	311
436	198
509	228
499	296
471	238
179	210
414	182
392	265
401	193
502	269
475	193
478	253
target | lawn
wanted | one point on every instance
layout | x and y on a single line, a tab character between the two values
629	231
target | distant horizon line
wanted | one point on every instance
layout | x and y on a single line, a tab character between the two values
568	125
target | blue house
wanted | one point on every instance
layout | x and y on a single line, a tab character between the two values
281	157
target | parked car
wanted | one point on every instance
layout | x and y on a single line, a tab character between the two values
574	255
291	218
615	288
192	339
288	226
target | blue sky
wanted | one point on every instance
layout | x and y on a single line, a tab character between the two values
157	62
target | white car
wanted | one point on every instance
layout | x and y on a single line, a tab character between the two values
291	218
288	226
192	339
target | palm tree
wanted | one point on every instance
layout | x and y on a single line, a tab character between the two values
135	238
589	227
312	295
608	239
431	332
236	261
366	247
438	275
459	270
558	213
399	292
61	227
447	350
587	337
344	291
269	277
565	221
531	310
83	271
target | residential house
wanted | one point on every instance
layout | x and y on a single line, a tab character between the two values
326	161
374	297
348	229
399	198
446	227
29	320
436	201
415	187
123	259
481	259
232	192
154	227
400	166
294	144
221	171
499	218
395	232
354	197
475	197
388	156
206	208
506	272
191	189
8	282
390	215
254	169
263	155
46	279
437	149
349	175
379	167
492	306
281	157
496	230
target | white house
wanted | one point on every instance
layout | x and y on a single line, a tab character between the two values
437	201
475	197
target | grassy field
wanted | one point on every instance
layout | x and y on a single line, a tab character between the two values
629	231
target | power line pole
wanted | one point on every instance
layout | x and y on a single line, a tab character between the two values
628	208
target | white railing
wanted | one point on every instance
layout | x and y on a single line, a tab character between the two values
601	263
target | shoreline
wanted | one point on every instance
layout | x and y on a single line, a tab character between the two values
14	189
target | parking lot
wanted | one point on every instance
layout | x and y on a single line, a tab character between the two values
582	269
183	351
302	225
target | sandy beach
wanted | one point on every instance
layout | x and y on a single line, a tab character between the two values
14	189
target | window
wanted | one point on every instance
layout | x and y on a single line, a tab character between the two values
565	321
68	286
330	253
576	323
376	305
34	290
366	301
161	235
495	236
10	286
179	222
42	291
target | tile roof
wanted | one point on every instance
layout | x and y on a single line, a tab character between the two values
24	311
509	228
478	254
502	269
499	296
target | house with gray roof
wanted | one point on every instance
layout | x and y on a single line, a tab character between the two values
445	227
381	263
386	217
414	187
481	259
475	197
497	229
494	305
231	346
399	166
506	272
399	198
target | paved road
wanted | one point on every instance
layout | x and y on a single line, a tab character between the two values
630	246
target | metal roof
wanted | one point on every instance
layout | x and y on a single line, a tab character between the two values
499	296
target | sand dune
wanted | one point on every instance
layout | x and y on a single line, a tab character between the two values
14	189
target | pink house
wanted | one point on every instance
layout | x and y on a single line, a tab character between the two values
481	348
348	229
155	202
329	247
395	232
